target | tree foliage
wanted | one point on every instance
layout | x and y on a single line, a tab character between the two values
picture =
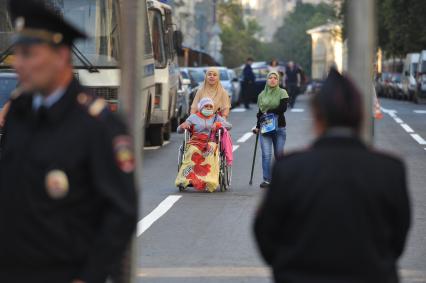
291	42
401	25
239	37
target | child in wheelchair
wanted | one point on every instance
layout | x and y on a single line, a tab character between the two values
202	157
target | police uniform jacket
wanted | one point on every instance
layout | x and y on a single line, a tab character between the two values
67	198
337	212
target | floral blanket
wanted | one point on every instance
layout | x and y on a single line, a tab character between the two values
200	167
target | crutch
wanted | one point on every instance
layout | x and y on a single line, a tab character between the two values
254	159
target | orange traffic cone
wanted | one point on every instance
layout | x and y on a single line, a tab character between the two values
377	109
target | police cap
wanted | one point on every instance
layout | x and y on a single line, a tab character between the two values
35	22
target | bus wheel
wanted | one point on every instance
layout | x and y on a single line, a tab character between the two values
156	135
167	131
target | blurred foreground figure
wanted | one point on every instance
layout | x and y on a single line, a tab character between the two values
339	211
67	198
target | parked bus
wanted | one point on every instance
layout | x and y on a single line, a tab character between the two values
96	59
165	41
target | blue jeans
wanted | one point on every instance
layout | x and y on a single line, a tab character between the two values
277	140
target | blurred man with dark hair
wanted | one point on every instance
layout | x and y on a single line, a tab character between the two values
293	80
248	83
339	211
67	198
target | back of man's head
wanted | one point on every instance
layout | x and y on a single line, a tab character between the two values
339	103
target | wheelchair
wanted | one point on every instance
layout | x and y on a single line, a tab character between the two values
225	171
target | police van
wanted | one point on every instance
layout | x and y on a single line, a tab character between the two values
96	60
165	42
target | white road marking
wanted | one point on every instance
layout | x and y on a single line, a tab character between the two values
238	110
245	137
156	147
407	128
420	111
201	273
151	147
235	147
388	110
418	139
159	211
399	121
297	110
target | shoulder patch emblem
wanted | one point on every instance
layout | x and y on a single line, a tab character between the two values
124	154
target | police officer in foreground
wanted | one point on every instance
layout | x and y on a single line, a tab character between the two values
67	197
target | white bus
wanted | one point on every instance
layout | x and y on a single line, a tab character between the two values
96	60
165	41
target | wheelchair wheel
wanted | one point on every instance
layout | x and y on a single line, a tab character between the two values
223	175
180	156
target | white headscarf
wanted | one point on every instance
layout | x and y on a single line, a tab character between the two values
205	101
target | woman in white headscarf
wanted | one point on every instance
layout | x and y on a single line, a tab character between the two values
213	89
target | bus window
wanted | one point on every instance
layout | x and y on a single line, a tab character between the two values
6	32
147	42
100	21
169	37
157	33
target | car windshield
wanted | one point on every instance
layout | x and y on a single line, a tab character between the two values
197	76
224	76
261	73
396	78
99	19
184	75
385	76
7	85
414	67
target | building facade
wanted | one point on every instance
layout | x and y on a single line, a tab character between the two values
328	50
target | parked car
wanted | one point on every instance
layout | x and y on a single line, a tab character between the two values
409	75
260	70
395	86
237	87
182	103
196	77
382	84
420	94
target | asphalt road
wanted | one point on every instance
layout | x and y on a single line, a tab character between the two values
203	237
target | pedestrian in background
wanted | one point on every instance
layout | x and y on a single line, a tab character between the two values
293	81
271	123
248	86
275	67
67	197
338	211
212	88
